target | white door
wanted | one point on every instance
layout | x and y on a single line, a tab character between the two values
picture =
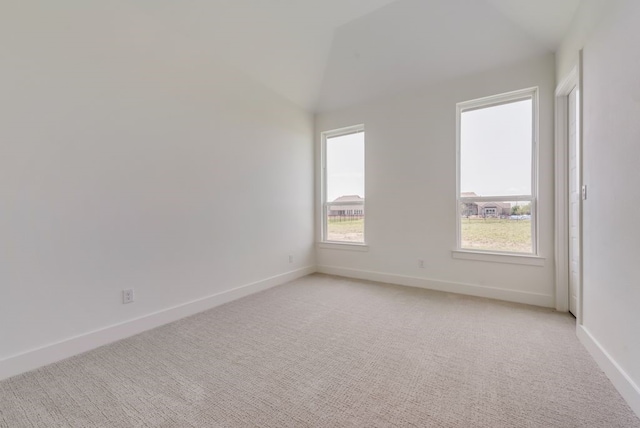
574	202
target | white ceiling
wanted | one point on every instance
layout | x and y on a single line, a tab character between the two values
326	54
546	20
416	42
284	44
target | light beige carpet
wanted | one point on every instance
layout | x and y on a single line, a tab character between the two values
330	352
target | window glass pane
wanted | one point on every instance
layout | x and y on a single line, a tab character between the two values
345	188
345	166
345	223
496	226
495	150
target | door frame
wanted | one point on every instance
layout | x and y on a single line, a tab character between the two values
572	80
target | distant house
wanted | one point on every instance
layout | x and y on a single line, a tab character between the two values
484	209
494	209
344	209
468	209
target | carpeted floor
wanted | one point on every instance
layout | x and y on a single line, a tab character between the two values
330	352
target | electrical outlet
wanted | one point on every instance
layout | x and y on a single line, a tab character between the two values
421	264
290	258
127	296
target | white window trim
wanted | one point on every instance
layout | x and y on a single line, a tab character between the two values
573	80
498	257
324	243
350	246
492	101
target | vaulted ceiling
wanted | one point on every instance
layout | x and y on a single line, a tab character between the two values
326	54
409	43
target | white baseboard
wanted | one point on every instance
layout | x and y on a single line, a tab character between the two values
620	379
535	299
51	353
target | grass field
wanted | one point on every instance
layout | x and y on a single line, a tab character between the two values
496	234
346	230
490	234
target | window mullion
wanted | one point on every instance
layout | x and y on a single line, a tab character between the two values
518	198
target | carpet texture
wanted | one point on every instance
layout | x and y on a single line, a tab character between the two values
331	352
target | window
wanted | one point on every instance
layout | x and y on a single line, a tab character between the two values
490	211
497	169
343	185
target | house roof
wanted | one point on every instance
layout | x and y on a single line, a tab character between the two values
504	205
349	198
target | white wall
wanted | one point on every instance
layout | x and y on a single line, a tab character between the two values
130	159
589	15
611	144
410	163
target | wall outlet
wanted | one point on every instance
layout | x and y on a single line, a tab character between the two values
290	258
421	264
127	296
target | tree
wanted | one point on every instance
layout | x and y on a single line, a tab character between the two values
521	209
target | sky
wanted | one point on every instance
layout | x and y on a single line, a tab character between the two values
495	150
345	166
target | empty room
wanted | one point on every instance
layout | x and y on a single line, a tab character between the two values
306	213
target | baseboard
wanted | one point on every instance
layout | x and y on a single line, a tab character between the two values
51	353
544	300
620	379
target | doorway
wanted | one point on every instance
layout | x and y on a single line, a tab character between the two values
569	194
574	197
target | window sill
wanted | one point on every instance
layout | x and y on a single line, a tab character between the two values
498	257
343	246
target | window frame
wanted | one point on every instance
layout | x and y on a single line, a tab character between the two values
493	101
324	203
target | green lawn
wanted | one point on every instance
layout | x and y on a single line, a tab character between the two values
477	234
345	230
497	235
